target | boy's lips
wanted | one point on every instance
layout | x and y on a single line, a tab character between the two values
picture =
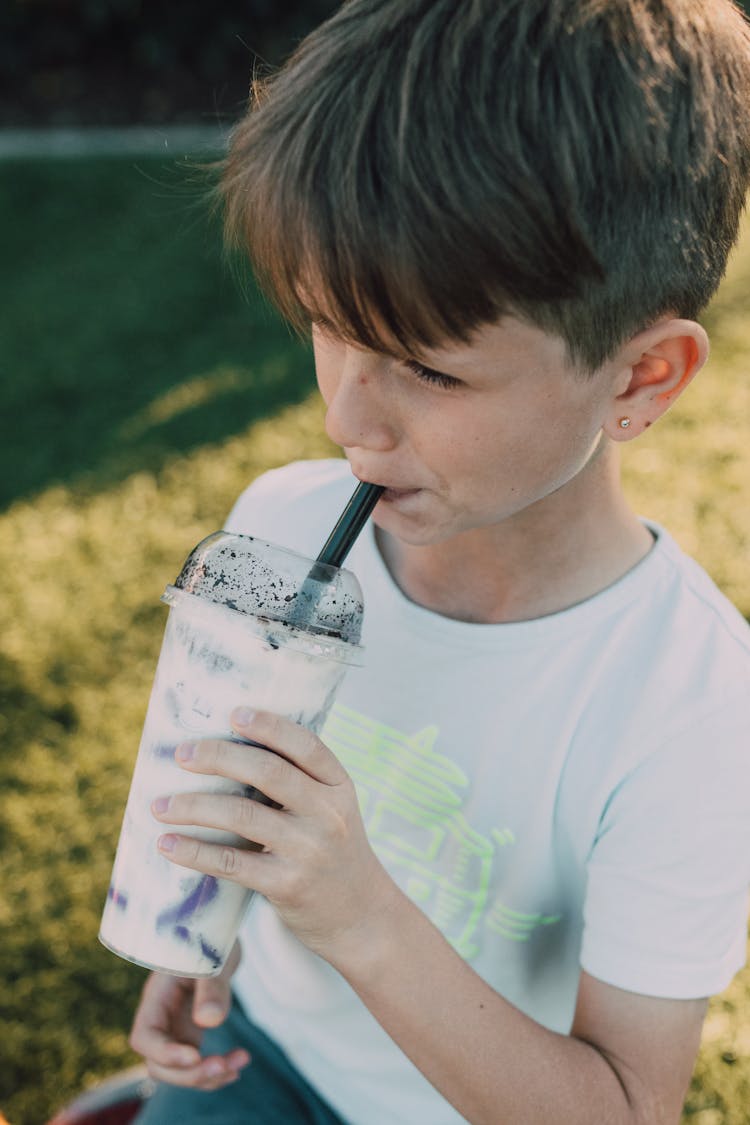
398	496
392	492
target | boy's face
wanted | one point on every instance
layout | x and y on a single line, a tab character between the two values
511	424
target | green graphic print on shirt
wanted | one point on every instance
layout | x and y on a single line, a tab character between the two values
411	803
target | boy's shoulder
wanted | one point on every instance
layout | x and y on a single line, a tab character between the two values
703	604
295	505
673	664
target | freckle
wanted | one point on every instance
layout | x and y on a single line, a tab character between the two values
647	425
363	380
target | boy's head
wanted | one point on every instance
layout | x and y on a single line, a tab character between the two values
420	168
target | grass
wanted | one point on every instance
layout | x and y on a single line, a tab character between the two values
141	393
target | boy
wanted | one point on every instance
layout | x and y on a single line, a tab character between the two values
502	218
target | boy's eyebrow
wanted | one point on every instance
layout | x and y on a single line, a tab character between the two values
399	354
327	325
459	360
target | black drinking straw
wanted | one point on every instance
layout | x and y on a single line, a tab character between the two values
334	551
350	523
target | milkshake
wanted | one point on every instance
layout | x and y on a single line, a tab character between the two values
250	624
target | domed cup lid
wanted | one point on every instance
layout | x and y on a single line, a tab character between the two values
264	580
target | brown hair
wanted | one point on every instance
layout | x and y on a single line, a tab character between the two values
419	168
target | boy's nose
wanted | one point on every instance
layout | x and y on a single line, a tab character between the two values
358	414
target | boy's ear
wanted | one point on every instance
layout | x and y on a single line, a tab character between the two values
656	366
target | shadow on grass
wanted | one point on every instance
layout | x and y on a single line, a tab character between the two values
63	998
125	338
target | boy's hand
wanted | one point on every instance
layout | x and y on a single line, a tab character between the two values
317	866
168	1028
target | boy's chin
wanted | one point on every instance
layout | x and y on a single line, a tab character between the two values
413	532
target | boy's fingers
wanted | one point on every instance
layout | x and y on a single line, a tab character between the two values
253	765
291	740
153	1034
159	1046
243	817
169	1040
212	1001
242	866
210	1074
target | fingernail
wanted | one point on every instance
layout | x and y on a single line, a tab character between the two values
214	1068
166	843
242	717
160	805
186	751
211	1013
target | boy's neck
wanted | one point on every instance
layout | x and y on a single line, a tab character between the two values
557	553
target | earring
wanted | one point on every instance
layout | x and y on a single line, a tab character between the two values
624	423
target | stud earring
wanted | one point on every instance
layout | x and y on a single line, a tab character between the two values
624	423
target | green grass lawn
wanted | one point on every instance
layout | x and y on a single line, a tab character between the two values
140	393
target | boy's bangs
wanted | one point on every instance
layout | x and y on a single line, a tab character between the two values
393	273
356	213
372	275
381	299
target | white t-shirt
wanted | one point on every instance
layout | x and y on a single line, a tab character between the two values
568	792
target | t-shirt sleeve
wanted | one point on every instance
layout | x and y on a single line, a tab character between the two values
666	904
263	503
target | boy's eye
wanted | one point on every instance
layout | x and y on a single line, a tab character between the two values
429	375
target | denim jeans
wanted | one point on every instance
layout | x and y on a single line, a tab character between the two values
269	1090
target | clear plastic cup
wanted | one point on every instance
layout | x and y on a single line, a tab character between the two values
249	624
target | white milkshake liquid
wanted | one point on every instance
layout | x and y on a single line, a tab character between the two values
213	659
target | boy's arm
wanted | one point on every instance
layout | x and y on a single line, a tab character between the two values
628	1058
627	1061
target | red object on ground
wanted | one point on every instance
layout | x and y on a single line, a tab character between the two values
115	1101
